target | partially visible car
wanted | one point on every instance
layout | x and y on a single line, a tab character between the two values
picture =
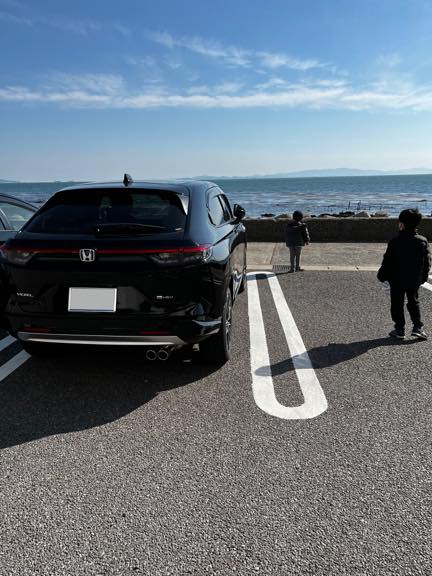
14	213
155	264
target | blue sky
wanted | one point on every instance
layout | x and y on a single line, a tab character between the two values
91	89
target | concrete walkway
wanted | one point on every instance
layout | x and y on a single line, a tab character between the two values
318	256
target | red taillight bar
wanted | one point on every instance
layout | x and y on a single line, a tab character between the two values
182	250
39	250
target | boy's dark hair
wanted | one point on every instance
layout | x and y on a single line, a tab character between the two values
411	218
297	215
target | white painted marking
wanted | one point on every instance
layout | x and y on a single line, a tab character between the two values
427	285
7	341
315	402
12	364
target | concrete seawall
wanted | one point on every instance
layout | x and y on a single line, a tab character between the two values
332	229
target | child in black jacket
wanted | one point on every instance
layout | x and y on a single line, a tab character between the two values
296	236
406	266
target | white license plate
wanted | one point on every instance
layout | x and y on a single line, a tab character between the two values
92	299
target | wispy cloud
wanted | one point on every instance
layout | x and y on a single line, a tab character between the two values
224	88
19	13
390	60
12	4
121	29
229	54
81	27
112	91
103	84
274	61
234	56
272	83
15	19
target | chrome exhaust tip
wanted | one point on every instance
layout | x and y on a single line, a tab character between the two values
163	354
151	354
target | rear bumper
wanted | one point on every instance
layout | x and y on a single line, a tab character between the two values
146	332
101	339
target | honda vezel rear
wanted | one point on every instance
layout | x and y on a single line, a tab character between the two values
101	263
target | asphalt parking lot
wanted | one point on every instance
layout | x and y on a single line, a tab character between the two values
310	455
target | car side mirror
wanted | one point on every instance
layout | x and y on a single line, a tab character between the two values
239	212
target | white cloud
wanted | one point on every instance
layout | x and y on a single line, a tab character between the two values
102	84
391	60
81	27
228	88
234	56
112	91
14	13
173	62
224	88
121	29
272	83
273	61
231	55
13	4
14	19
73	98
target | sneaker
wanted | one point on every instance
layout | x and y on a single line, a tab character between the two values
419	333
300	269
400	334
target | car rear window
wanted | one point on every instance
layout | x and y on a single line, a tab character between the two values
110	211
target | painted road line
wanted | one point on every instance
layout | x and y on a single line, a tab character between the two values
315	402
12	364
7	341
427	285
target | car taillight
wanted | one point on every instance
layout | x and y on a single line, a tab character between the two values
16	255
169	256
197	253
186	255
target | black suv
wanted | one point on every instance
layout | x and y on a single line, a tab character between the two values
157	264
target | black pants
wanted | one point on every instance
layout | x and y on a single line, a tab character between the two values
295	253
397	296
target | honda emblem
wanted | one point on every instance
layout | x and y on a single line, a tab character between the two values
87	255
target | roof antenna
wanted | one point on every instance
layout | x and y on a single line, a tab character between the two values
127	179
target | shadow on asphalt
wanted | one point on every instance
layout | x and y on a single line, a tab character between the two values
335	353
75	392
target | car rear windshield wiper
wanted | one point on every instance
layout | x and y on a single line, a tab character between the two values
128	228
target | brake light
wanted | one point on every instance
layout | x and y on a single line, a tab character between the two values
186	254
16	255
169	256
23	254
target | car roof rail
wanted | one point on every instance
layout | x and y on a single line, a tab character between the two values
127	179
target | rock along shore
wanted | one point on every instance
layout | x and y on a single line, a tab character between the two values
332	229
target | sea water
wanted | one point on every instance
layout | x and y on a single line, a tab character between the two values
260	196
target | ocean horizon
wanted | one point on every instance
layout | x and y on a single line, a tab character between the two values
312	195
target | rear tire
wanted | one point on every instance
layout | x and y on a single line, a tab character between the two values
243	283
216	349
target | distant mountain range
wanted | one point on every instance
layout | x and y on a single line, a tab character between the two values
317	173
330	172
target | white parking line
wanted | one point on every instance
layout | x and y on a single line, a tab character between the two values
7	341
315	402
12	364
